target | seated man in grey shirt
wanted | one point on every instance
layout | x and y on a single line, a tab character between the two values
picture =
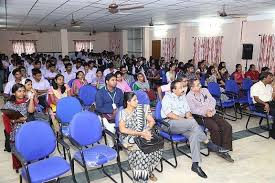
176	112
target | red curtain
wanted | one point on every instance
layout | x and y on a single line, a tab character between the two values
208	48
267	52
168	48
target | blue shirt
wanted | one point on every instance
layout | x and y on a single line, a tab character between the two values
104	100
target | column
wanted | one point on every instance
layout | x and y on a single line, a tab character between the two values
146	43
64	42
124	42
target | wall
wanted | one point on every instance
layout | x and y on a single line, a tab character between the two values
51	41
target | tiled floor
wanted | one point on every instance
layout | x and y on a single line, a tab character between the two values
254	163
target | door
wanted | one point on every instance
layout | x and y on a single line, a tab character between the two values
156	45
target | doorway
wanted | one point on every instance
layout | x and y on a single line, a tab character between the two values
156	45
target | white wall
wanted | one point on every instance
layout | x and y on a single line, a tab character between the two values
51	41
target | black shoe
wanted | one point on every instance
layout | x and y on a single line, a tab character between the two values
226	156
199	171
215	148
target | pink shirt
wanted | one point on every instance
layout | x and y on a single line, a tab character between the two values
123	85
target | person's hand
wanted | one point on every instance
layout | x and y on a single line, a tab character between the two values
21	119
266	107
146	134
209	114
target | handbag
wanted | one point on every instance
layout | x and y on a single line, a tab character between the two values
148	146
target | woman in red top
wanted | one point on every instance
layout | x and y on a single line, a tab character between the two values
252	73
238	74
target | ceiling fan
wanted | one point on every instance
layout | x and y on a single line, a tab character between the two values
75	23
115	29
23	33
92	32
224	14
117	8
40	30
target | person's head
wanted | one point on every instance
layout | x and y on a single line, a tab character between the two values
58	82
27	83
266	77
52	67
252	67
17	74
190	68
222	64
99	73
183	80
78	63
195	85
69	68
36	74
172	67
177	87
239	68
37	64
18	92
118	76
23	71
153	66
211	70
140	77
265	69
110	80
130	100
123	69
80	75
92	64
86	66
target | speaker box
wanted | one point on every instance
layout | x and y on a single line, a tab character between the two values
247	51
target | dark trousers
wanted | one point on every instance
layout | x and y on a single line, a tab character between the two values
260	108
220	130
42	101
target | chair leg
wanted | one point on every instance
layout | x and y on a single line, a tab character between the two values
104	171
86	173
119	166
161	167
20	178
175	157
72	169
246	126
182	152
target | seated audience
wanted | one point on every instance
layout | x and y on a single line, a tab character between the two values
121	83
108	100
141	164
51	72
175	110
238	74
68	73
110	69
153	76
190	72
30	92
57	91
171	74
98	81
18	102
127	77
17	79
78	83
141	83
203	104
263	95
252	73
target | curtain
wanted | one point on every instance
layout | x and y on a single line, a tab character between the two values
168	48
208	48
267	52
115	46
24	46
83	45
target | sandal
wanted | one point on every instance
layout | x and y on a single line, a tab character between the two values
153	178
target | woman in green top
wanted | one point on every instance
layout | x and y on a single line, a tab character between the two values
141	83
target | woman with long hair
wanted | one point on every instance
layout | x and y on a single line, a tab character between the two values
131	125
171	74
18	102
78	82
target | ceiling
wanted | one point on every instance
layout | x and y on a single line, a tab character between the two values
35	14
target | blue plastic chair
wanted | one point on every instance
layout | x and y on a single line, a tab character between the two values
246	85
87	95
85	130
34	142
254	113
202	80
142	97
215	91
163	76
70	83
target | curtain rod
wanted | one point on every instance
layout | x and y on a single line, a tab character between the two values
206	36
23	40
85	40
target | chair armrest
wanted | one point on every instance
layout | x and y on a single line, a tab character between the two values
110	134
75	143
63	143
162	122
230	94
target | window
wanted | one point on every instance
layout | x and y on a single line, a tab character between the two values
24	46
83	45
135	42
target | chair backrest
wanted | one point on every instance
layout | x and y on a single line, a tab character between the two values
214	89
66	108
35	140
158	111
87	94
117	118
142	97
251	105
202	79
232	86
70	83
163	76
246	84
85	128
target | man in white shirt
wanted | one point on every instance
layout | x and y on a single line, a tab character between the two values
36	64
41	86
17	79
111	69
263	95
51	73
68	73
78	66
